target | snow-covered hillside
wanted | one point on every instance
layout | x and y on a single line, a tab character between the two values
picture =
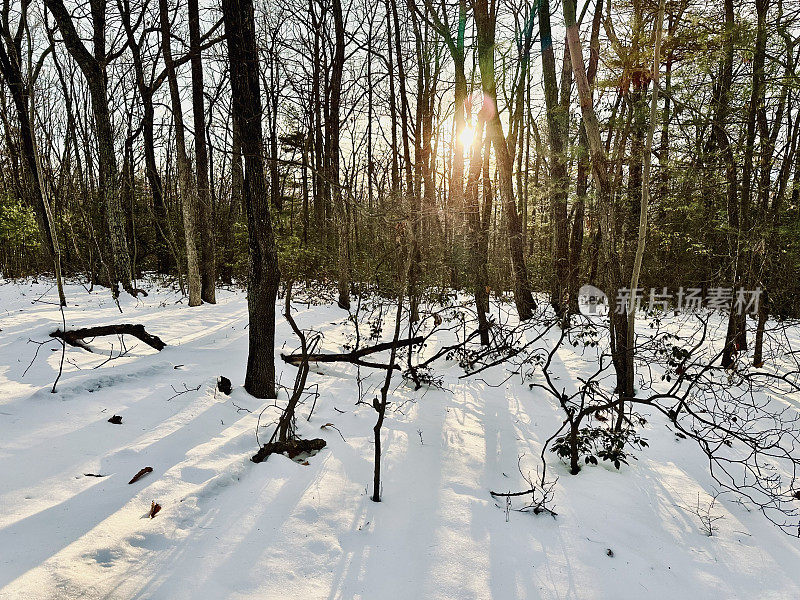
229	528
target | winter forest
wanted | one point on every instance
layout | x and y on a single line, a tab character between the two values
375	299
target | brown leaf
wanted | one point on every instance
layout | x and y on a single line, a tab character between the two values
326	425
154	508
141	474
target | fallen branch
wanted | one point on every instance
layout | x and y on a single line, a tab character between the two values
185	390
541	494
292	448
355	357
76	337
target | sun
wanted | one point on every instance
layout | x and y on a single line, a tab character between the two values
467	136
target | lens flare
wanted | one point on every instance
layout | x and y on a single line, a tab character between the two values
467	136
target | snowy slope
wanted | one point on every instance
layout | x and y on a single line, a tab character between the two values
233	529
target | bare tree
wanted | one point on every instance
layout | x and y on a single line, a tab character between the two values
186	181
485	21
264	276
11	65
94	66
208	270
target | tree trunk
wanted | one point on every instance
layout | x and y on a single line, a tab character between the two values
186	181
478	237
33	190
166	249
411	193
205	208
645	198
262	283
460	98
582	185
485	26
380	405
333	129
736	333
93	68
557	131
602	177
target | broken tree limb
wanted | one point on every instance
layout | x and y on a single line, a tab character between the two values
292	448
76	337
355	356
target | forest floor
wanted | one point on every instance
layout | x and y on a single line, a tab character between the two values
229	528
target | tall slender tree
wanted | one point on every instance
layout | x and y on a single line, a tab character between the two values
485	25
264	275
186	181
557	133
11	69
94	66
205	212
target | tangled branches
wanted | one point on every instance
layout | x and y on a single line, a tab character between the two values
739	418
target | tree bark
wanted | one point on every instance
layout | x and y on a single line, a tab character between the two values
264	276
332	130
93	66
485	29
476	226
33	189
188	191
736	333
166	248
582	186
76	337
557	131
645	190
205	208
602	177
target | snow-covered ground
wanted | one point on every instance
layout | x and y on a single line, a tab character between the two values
230	528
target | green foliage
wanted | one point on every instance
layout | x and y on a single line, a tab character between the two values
20	243
298	260
18	227
600	442
237	259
